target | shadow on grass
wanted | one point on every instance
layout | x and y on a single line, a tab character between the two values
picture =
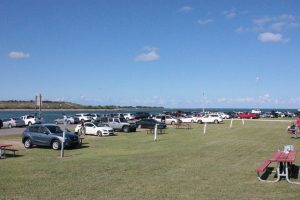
269	171
294	172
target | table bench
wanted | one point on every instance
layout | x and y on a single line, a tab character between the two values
182	125
159	131
12	150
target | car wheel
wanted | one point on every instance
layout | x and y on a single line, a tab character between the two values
172	123
216	121
126	129
199	121
28	143
9	126
55	145
29	123
99	133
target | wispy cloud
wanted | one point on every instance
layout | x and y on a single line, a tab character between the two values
205	21
229	14
18	55
271	37
277	23
242	29
149	54
186	9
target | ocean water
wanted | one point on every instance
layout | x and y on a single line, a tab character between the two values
50	116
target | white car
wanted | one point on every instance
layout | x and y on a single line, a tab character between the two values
30	119
95	116
187	119
98	129
84	116
168	119
222	115
129	116
212	118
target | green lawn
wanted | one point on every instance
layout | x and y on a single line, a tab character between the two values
182	164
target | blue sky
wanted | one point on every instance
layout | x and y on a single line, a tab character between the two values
171	53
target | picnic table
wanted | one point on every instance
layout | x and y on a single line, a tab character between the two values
159	131
3	148
284	162
183	125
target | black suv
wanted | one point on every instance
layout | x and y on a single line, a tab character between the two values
48	135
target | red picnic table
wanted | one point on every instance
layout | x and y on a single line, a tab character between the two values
284	160
3	150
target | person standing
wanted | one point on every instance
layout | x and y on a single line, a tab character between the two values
82	127
65	119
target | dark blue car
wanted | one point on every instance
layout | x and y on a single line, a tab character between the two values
48	135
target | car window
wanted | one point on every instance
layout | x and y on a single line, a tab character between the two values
111	120
34	129
42	130
89	125
54	129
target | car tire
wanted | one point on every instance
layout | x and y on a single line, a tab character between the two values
99	133
27	143
216	121
9	126
55	145
126	129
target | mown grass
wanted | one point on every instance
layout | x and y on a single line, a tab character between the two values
182	164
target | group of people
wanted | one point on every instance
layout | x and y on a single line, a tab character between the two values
295	127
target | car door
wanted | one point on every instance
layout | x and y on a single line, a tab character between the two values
44	137
90	128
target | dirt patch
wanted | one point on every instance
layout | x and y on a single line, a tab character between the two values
15	144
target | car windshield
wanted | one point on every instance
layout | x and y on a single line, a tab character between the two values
99	124
54	129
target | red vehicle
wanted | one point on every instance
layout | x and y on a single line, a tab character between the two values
248	116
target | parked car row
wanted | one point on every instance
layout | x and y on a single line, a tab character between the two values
25	120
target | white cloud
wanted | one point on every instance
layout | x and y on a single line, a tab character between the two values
277	23
205	21
149	54
18	55
271	37
186	9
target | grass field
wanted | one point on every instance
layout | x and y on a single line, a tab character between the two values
182	164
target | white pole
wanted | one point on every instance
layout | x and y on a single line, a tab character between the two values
204	130
62	146
231	122
155	132
243	121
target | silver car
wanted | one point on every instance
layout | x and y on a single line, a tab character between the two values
13	122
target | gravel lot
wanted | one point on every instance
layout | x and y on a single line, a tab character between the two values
19	131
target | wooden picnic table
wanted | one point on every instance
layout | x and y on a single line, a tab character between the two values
3	150
159	131
183	125
284	161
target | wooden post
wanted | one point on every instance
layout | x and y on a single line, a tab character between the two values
231	122
204	130
62	146
155	133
